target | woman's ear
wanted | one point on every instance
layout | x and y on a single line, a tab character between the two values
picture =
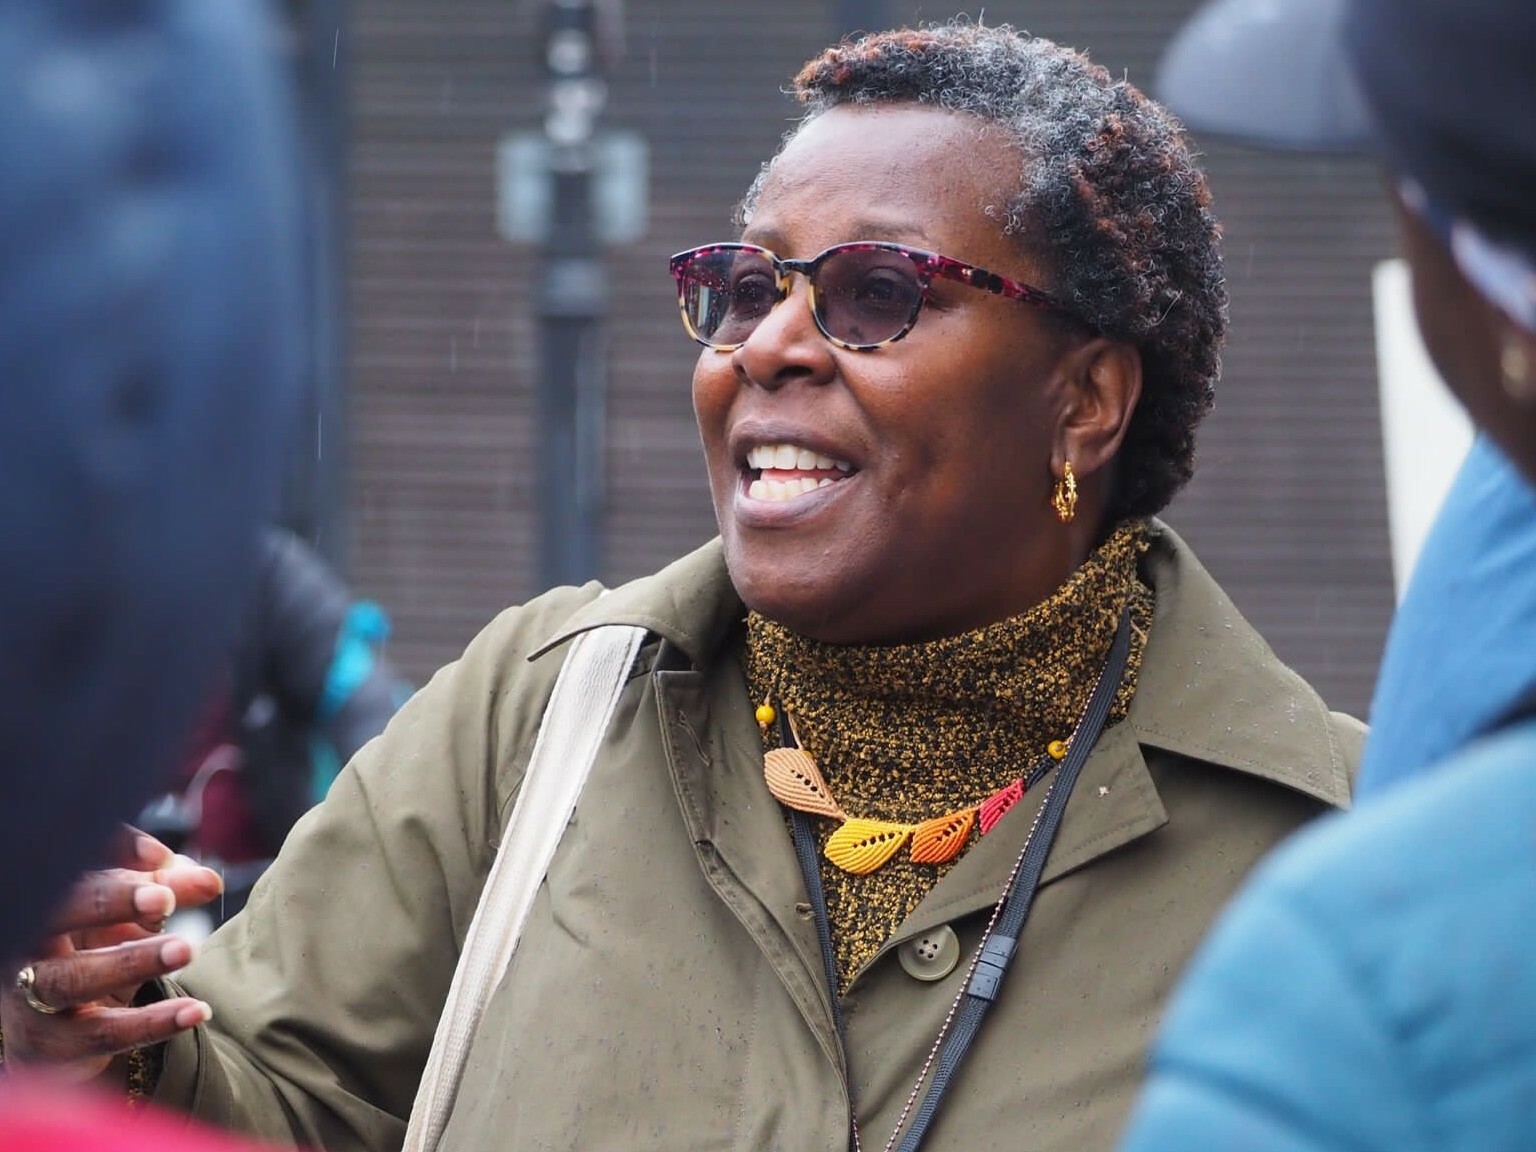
1104	386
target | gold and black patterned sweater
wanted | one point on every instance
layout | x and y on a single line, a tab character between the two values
914	731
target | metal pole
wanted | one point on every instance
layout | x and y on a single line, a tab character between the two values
572	306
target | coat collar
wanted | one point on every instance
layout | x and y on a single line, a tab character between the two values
1210	688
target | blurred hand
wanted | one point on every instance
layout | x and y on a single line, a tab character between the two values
109	942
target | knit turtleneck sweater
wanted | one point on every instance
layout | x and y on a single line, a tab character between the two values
909	732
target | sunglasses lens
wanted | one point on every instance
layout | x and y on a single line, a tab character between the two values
726	292
866	296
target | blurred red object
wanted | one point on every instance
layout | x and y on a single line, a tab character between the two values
52	1119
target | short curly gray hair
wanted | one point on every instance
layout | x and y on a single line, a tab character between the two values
1109	194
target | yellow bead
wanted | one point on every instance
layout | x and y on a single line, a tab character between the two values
1057	749
766	715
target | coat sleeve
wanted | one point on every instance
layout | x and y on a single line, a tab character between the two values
327	989
1274	1042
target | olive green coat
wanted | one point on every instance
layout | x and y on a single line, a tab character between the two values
668	991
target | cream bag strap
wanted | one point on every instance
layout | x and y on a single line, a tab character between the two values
586	691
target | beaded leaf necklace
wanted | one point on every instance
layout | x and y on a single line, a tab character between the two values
861	844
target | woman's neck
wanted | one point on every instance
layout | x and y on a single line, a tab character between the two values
984	697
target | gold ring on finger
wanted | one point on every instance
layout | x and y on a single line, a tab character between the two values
26	981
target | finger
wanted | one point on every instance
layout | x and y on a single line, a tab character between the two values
193	884
55	946
138	850
89	938
85	977
97	1032
101	899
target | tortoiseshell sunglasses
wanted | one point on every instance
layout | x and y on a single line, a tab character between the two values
863	295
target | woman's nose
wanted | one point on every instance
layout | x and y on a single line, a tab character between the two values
787	345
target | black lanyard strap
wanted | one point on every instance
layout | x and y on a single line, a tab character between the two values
1000	941
1000	944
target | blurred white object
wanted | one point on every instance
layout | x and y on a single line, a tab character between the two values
193	924
1425	432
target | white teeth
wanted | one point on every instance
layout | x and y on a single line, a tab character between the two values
777	490
792	457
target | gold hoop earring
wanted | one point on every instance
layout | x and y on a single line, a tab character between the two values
1515	371
1064	498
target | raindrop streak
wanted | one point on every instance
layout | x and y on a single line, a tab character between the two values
319	434
335	46
655	33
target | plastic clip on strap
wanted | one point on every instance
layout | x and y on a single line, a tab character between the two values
991	967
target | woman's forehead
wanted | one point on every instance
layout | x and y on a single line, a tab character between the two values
912	174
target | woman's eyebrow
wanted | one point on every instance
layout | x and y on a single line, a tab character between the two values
768	238
891	229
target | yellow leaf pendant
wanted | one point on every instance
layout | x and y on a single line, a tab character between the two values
860	846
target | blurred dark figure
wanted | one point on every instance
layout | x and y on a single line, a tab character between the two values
307	688
147	380
149	364
1375	987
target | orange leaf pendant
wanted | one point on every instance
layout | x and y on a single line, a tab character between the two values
861	846
939	841
796	782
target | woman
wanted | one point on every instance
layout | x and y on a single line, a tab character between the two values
1374	988
933	476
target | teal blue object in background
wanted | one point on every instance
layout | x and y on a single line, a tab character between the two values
362	633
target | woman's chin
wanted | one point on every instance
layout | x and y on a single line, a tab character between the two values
814	603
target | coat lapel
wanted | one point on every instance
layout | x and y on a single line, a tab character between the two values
739	833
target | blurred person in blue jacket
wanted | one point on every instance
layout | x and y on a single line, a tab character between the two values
1375	985
1458	657
149	358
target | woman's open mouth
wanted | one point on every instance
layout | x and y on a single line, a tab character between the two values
779	472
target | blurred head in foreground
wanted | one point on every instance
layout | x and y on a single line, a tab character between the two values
149	367
1443	92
